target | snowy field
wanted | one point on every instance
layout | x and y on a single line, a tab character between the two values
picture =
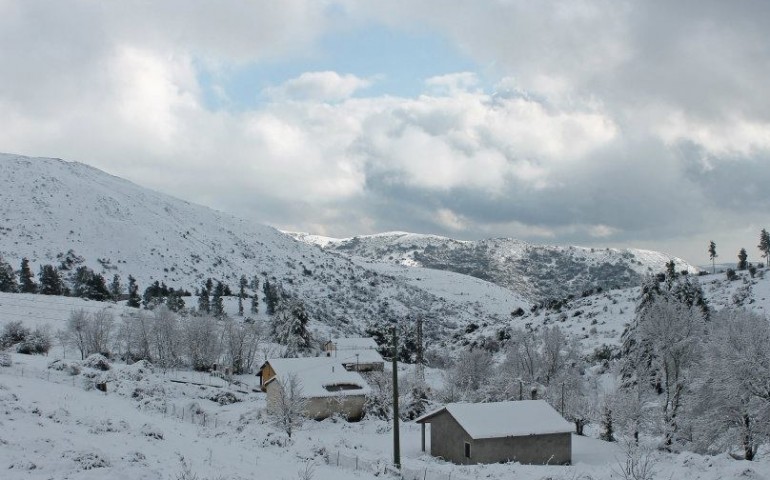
156	424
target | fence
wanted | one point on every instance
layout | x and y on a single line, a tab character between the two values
379	466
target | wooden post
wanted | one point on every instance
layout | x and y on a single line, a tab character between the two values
422	431
396	439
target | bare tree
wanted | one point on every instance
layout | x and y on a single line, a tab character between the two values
201	341
733	404
165	333
288	404
673	332
77	326
99	331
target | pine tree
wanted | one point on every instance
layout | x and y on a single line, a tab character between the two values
242	294
8	282
50	281
217	303
671	271
203	301
26	278
764	245
133	293
713	255
743	257
254	303
116	289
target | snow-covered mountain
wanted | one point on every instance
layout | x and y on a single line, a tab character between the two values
49	207
537	272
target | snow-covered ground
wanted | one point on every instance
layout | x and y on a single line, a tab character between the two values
148	425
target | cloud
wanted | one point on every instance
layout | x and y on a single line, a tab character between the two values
318	86
599	121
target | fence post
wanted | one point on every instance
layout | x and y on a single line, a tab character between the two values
338	458
425	475
356	462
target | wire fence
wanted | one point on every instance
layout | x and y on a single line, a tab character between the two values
385	467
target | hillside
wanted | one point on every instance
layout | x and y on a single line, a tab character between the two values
537	272
49	207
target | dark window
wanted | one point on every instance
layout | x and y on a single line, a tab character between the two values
467	450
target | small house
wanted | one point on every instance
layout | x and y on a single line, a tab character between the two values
325	385
525	431
356	354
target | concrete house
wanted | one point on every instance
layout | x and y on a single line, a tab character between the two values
526	431
356	354
326	386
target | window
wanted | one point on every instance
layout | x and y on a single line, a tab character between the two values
467	450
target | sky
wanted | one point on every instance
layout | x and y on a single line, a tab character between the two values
592	122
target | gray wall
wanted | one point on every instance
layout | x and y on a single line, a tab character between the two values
318	408
447	440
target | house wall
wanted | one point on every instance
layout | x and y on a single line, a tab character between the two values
318	408
551	449
447	440
267	374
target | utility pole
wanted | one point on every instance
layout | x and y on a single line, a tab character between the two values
396	439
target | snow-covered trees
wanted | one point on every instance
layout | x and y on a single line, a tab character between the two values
287	407
743	257
50	281
133	293
241	341
672	333
26	278
733	405
8	281
764	245
201	341
91	333
288	326
713	255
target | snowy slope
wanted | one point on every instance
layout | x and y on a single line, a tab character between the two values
49	206
535	271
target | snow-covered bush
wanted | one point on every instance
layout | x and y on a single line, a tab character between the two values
13	333
224	398
5	360
73	368
38	342
152	431
97	362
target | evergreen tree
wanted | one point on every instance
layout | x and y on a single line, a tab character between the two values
133	293
764	245
50	281
26	278
743	257
289	326
713	255
273	294
671	271
8	282
254	303
98	287
217	303
203	301
175	302
242	293
116	289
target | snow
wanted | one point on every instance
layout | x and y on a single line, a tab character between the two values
505	419
316	373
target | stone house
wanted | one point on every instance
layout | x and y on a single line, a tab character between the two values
327	387
356	354
525	431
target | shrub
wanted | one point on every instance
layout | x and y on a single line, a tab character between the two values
731	275
36	343
13	333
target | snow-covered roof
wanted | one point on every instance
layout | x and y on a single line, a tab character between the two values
346	349
505	419
315	374
355	343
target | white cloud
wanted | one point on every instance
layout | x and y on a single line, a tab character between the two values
318	86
